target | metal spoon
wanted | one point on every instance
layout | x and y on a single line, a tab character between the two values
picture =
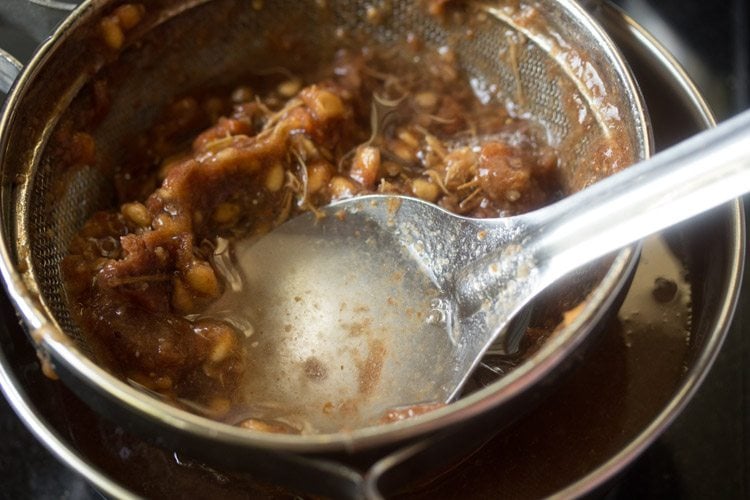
390	300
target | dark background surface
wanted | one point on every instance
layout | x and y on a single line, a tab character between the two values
705	453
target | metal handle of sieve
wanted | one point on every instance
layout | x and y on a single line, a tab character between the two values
10	68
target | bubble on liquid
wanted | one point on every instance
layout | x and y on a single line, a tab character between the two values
439	312
435	317
664	290
171	209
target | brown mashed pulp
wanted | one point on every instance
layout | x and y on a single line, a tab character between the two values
373	121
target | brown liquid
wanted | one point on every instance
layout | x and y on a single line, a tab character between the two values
605	402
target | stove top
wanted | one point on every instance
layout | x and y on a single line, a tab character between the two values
706	451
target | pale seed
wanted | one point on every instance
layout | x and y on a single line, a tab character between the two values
275	178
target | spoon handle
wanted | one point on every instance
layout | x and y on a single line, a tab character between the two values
685	180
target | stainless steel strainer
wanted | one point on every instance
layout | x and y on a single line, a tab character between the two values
546	59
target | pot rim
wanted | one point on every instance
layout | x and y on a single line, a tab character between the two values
700	367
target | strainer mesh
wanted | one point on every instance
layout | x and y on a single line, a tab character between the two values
219	41
58	219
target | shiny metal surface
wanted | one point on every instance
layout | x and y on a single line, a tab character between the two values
25	409
9	70
44	226
39	16
711	338
632	38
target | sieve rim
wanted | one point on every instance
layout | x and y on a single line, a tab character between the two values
65	355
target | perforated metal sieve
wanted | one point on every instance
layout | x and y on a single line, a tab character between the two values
546	59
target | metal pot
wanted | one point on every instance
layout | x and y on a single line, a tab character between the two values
43	94
716	281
